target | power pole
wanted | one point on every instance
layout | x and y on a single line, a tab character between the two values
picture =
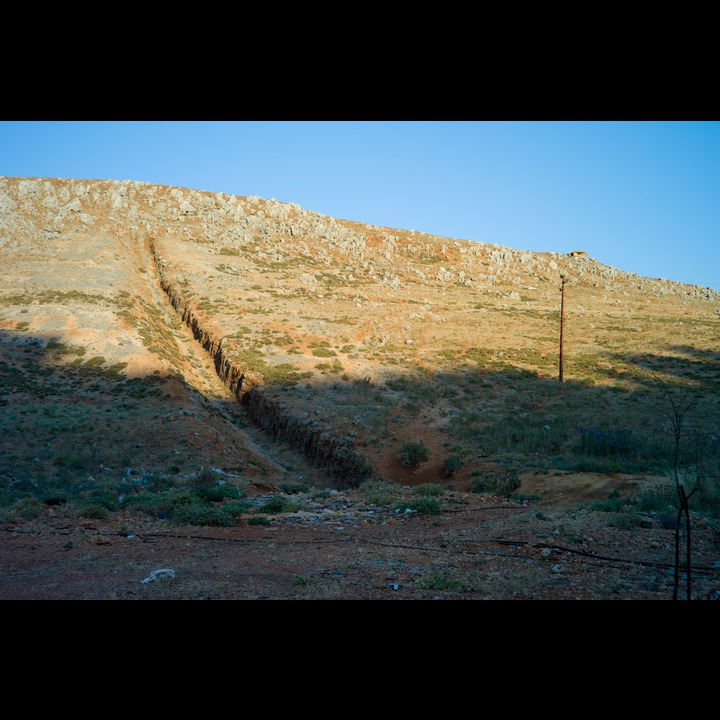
562	324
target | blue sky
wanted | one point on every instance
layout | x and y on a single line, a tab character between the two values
642	196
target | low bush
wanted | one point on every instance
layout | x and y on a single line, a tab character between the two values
626	521
237	508
148	503
294	487
413	453
706	500
657	499
429	489
451	465
94	511
614	504
279	504
503	483
203	515
22	509
380	491
321	494
422	506
181	498
440	580
593	441
204	478
218	493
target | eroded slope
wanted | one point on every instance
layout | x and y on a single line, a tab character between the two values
98	371
347	340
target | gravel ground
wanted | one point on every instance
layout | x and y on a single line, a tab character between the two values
479	548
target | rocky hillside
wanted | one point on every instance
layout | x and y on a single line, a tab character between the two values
132	316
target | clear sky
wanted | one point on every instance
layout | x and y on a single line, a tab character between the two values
642	196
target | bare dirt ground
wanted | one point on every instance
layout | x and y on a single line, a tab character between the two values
341	548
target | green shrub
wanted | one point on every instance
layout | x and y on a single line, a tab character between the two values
237	508
293	487
323	352
181	498
706	500
422	506
380	491
440	580
22	509
203	515
279	504
204	478
451	465
334	367
656	499
95	511
150	503
429	489
614	504
626	521
218	493
502	483
413	453
594	441
258	520
522	498
322	494
283	374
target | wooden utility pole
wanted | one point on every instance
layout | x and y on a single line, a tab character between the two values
562	324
